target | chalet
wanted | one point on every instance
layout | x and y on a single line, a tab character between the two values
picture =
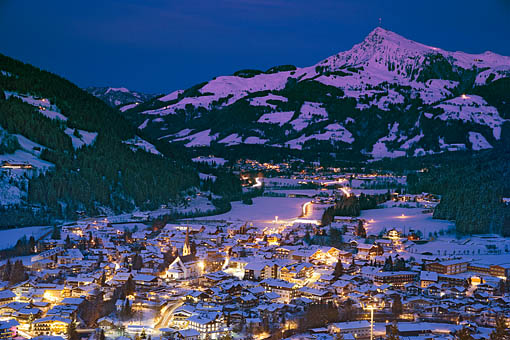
501	270
186	334
51	325
207	324
286	290
427	278
451	267
368	251
8	329
260	270
296	272
316	295
16	165
325	254
145	281
6	296
105	323
358	329
395	278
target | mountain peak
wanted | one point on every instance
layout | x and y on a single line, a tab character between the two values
383	36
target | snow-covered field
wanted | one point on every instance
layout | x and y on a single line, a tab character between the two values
264	210
403	219
85	137
9	237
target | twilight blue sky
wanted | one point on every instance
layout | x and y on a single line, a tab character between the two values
159	46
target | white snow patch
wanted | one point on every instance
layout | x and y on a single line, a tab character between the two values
127	107
262	101
232	139
380	150
86	137
42	104
450	147
202	138
9	237
171	96
138	143
472	108
279	118
478	141
411	141
334	132
117	89
144	124
310	112
255	140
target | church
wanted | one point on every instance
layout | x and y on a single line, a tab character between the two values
185	266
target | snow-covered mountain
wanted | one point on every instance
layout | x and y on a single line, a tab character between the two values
120	96
385	97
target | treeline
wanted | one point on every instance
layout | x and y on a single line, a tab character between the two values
23	216
8	143
84	111
23	247
472	187
21	118
352	206
107	174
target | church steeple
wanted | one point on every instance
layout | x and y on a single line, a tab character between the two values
186	248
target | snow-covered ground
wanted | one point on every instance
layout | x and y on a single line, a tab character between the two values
44	105
202	138
403	219
138	143
264	210
85	137
9	237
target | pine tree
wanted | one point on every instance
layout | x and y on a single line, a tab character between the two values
71	331
55	235
143	335
339	336
101	335
501	332
339	269
6	276
501	287
32	244
18	273
68	242
392	332
137	262
396	307
102	280
130	286
464	334
307	238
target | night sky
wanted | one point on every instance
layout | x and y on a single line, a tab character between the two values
159	46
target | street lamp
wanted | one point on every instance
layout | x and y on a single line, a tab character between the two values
371	306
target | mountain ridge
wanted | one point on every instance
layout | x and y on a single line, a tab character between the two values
64	151
119	97
382	98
